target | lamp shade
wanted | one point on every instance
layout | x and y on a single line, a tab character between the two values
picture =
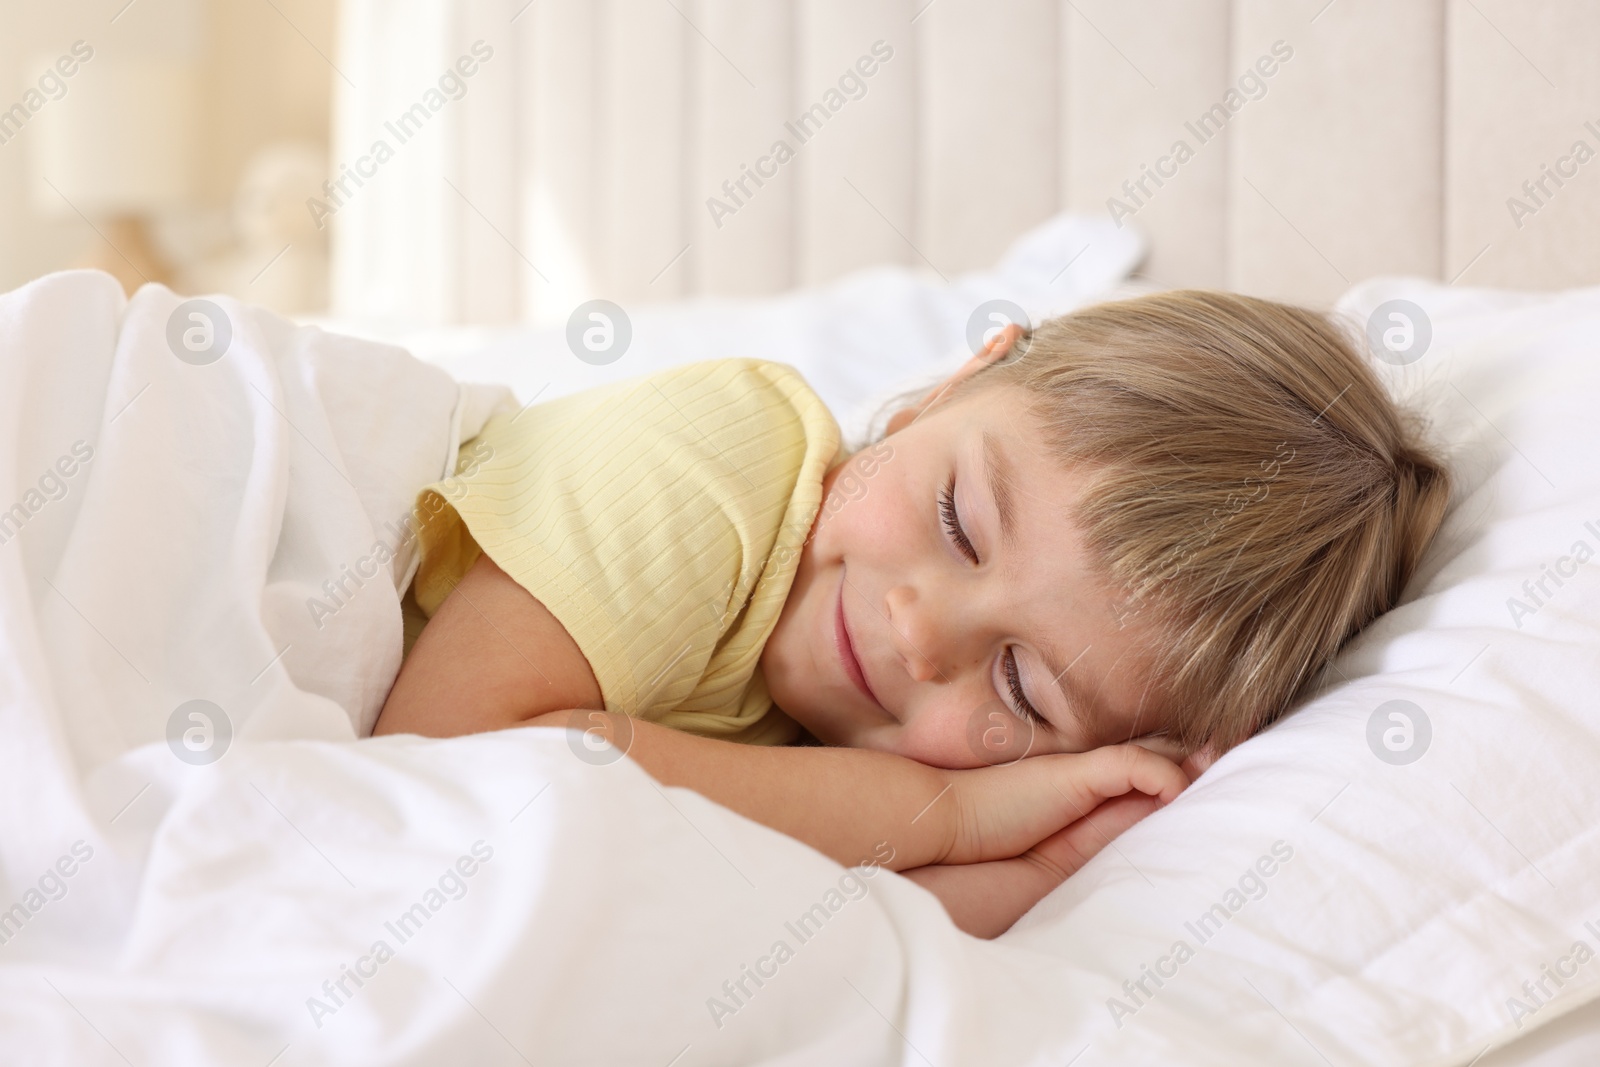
121	141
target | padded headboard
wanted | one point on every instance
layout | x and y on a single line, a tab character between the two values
606	148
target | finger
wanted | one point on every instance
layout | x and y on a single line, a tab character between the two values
1117	769
1114	816
1069	848
1007	810
1148	772
1194	764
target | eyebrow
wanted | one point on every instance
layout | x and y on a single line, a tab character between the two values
1080	703
1002	488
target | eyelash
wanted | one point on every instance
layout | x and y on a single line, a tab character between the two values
952	523
1014	683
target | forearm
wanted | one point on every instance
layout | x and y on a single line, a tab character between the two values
844	802
985	899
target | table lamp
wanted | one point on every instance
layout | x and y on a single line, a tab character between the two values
117	149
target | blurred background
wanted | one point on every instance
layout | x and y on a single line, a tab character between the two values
180	145
423	163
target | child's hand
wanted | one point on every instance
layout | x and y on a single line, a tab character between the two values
1060	855
1102	794
1194	764
1000	812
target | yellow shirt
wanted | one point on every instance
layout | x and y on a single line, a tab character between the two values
660	520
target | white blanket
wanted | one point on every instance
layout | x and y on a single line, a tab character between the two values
234	882
250	887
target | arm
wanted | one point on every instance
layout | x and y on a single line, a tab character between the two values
473	669
846	802
491	657
986	899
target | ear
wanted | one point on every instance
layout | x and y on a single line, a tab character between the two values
991	354
1199	762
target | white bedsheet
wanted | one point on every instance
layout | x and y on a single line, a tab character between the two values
564	911
504	898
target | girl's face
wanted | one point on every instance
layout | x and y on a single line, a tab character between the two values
944	608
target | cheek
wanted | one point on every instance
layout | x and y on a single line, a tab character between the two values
972	729
865	516
960	730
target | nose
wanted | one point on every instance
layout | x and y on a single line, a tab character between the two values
923	633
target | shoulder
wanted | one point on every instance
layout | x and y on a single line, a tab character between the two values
741	401
747	381
707	394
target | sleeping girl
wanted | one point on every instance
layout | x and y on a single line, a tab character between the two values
973	650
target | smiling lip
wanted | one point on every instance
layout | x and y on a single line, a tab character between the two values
847	650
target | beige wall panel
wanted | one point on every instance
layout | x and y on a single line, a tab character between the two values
1134	75
863	161
989	127
1336	170
1524	81
489	277
395	238
558	175
743	77
267	78
643	148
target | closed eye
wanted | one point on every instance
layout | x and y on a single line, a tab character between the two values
1014	683
952	521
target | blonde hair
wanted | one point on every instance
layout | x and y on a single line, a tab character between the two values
1256	495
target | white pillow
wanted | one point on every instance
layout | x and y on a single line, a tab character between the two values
1365	909
858	341
1418	898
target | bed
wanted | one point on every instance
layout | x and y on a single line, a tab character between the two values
201	864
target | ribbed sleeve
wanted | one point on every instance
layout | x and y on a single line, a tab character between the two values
660	520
